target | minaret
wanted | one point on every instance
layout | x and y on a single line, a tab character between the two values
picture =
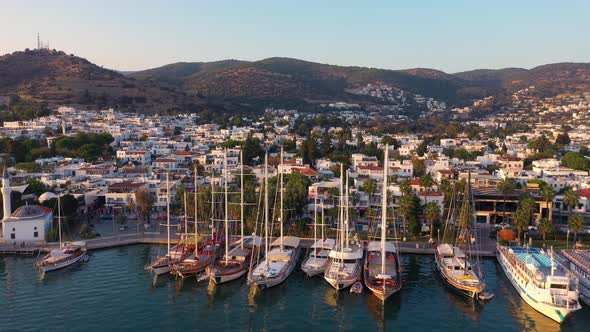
6	191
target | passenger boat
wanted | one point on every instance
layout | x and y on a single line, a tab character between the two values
382	264
196	263
65	255
456	262
540	281
345	260
317	260
579	265
236	261
282	255
174	255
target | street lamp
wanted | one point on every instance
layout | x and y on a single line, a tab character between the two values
438	235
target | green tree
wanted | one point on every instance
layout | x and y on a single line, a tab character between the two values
520	221
575	223
432	213
369	186
251	150
576	161
406	210
545	227
144	201
548	193
571	199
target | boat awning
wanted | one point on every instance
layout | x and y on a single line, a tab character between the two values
445	249
376	246
290	241
325	244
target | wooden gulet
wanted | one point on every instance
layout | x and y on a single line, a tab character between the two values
382	264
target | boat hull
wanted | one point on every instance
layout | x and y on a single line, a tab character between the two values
263	283
461	289
557	314
61	265
340	284
220	279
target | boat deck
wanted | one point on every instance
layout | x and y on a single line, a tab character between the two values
539	259
579	257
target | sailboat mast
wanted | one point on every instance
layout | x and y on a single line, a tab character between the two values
168	211
196	219
315	224
341	213
226	207
58	218
347	226
322	219
185	220
266	208
384	209
241	199
281	188
212	208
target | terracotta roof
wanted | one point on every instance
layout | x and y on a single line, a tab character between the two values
415	182
430	193
584	192
125	185
185	153
305	171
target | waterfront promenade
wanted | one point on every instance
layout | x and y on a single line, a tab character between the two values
411	247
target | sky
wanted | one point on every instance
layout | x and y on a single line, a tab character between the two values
448	35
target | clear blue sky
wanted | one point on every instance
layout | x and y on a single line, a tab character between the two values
444	34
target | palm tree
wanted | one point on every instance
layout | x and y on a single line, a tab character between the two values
520	220
426	182
369	186
571	199
406	208
445	187
548	193
432	213
506	186
528	204
545	227
575	223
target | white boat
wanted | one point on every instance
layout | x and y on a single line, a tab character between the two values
382	264
456	261
345	260
317	260
540	281
62	257
65	255
579	265
282	255
278	264
457	271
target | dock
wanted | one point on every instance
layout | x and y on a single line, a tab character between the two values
157	238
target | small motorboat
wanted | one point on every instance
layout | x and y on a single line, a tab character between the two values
357	288
486	296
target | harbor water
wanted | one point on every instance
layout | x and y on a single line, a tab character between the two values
114	292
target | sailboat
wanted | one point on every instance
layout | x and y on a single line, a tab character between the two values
65	255
345	260
382	265
163	264
236	261
317	260
203	256
281	256
455	261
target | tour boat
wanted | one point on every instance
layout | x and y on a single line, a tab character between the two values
382	265
540	281
317	260
282	255
579	265
62	257
174	255
196	263
236	261
65	255
456	262
345	260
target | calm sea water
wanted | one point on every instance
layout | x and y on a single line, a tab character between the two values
113	292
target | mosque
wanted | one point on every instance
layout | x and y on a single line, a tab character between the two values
28	223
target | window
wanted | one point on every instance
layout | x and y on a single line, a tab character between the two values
12	236
35	228
36	234
13	230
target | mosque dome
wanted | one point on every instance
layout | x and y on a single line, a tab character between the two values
29	212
